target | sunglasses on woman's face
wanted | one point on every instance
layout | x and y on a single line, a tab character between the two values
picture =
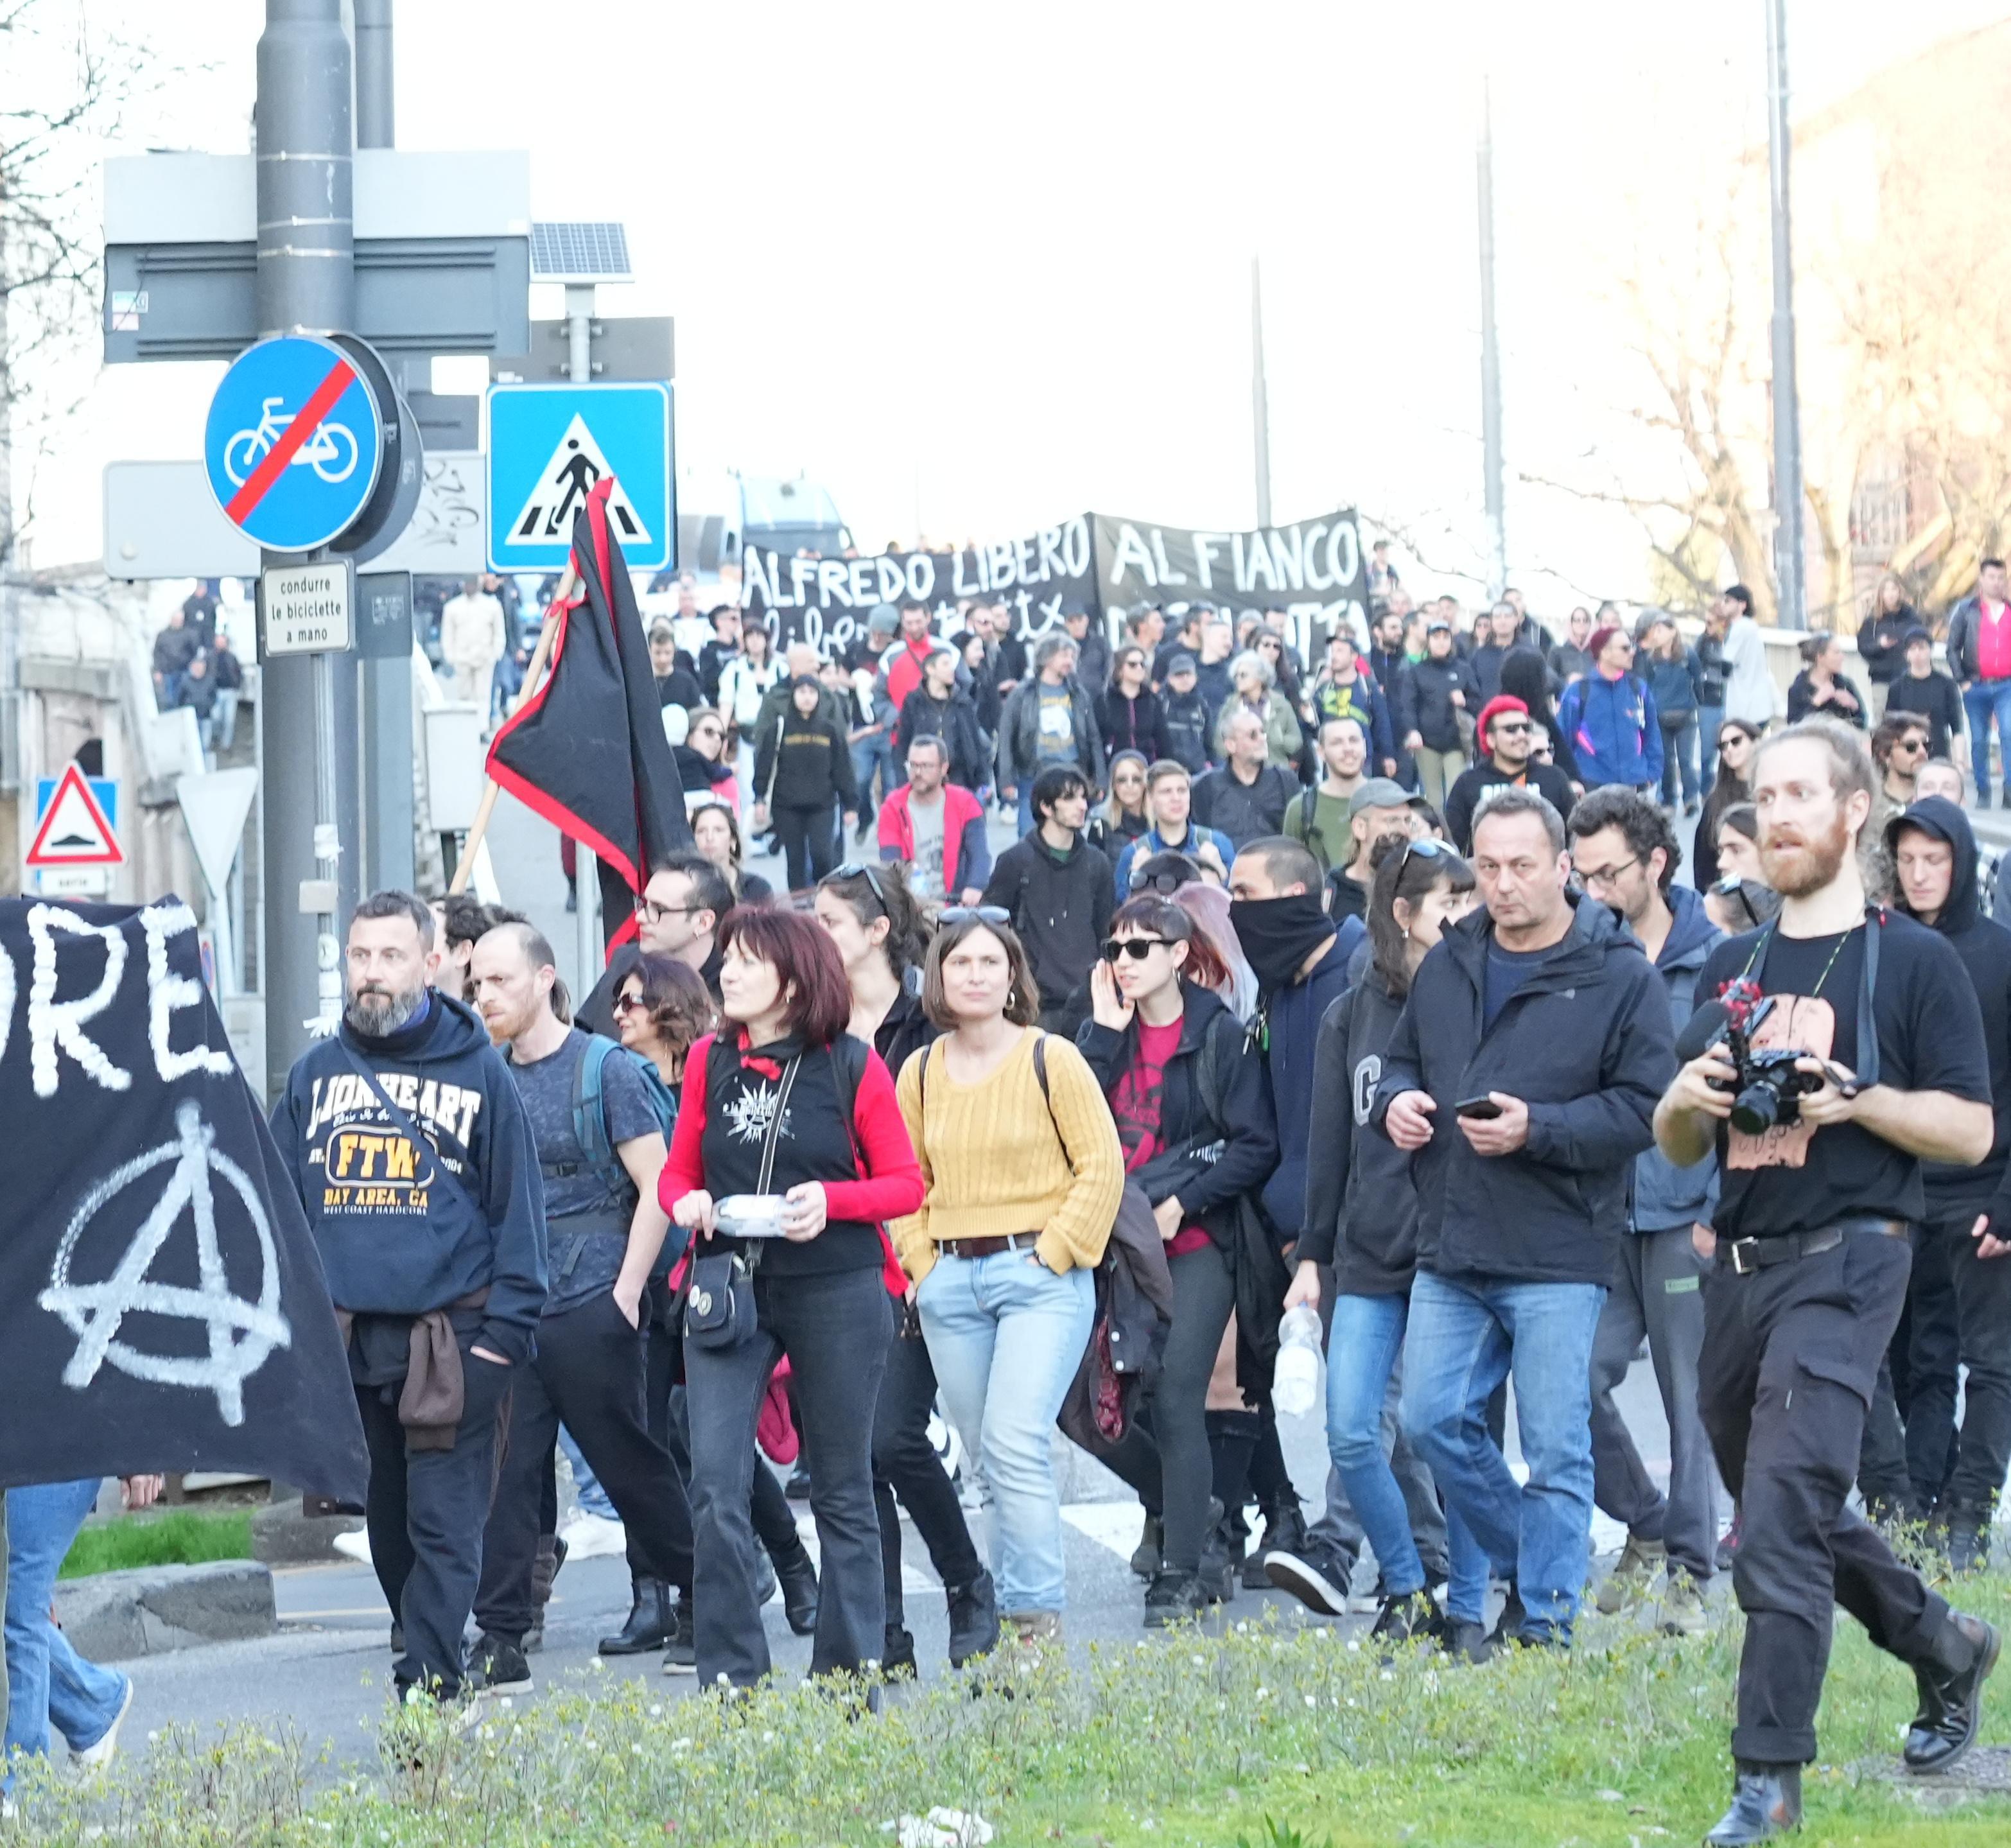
1137	948
631	1003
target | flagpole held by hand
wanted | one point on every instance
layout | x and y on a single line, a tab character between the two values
568	586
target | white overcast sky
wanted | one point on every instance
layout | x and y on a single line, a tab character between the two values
977	267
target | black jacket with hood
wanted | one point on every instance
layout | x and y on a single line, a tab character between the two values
1361	1208
398	1232
1586	1041
1211	1158
1984	947
1060	904
805	763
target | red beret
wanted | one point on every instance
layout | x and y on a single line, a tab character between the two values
1501	703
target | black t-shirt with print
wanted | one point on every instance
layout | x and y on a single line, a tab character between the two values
1930	1039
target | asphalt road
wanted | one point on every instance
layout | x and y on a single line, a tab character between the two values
326	1674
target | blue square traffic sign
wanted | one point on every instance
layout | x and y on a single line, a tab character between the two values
549	444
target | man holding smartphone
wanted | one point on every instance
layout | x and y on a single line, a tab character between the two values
1812	1257
1523	1075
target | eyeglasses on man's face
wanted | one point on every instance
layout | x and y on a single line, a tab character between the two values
649	911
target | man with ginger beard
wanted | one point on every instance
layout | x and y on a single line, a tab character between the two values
1810	1262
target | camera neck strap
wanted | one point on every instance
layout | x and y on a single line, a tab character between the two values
1868	1022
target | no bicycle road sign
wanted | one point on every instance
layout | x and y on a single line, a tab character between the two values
293	444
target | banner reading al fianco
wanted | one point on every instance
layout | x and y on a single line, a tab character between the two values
1311	570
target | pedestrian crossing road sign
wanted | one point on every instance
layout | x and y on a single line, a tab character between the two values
549	444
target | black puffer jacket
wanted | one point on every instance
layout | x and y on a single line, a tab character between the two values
1434	684
1217	1134
1586	1041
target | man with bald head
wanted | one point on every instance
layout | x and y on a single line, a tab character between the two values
604	1233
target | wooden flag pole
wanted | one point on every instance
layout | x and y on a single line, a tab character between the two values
464	870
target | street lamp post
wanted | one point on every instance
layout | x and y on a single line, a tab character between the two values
1787	554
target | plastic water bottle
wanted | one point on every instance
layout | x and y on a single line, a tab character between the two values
1295	1378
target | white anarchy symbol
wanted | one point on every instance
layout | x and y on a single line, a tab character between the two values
242	1334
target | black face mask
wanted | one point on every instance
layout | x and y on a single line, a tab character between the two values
1278	935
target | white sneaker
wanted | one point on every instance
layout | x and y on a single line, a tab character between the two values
92	1757
590	1536
355	1546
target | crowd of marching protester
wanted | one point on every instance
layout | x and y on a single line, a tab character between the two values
1364	1007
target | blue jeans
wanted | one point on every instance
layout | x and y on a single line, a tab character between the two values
1363	1347
47	1680
1679	754
868	754
1980	699
1465	1337
1708	719
1006	1335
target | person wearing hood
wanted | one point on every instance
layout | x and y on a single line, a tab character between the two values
1524	1077
1611	720
1300	956
1055	890
1625	854
406	1138
1961	1295
939	708
1194	1116
1361	1221
802	772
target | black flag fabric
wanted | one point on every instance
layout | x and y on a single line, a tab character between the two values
161	1306
587	750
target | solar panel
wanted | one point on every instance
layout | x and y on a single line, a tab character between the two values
579	252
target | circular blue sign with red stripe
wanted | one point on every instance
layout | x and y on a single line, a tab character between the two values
293	442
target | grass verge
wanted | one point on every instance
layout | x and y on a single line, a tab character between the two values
182	1538
1271	1733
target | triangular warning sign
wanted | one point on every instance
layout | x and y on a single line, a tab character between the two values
561	491
74	831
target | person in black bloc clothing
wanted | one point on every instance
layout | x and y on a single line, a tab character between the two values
410	1148
1811	1258
604	1234
1961	1290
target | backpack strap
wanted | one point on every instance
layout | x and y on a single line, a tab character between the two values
1040	1074
589	1106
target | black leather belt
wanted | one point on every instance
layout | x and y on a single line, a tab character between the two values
989	1247
1746	1255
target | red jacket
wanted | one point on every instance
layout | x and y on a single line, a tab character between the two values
897	827
904	667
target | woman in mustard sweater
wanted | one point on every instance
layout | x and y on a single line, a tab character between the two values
1023	1172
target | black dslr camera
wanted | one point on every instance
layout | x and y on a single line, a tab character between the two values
1768	1091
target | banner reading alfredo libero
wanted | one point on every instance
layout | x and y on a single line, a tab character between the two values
1311	569
825	600
161	1306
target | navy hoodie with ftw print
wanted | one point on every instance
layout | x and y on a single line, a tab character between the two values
403	1231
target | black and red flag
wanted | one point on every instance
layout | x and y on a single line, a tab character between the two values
587	750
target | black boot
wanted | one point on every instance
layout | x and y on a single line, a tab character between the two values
1145	1555
1951	1684
897	1654
1766	1798
798	1573
974	1619
649	1624
1172	1597
1284	1531
681	1646
1968	1543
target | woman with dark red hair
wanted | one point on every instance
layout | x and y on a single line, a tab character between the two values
789	1155
1198	1125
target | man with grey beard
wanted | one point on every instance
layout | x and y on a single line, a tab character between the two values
408	1142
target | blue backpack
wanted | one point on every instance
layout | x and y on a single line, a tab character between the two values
589	1120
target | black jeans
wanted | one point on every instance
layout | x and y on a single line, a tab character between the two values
809	844
1982	1316
774	1520
835	1329
425	1513
1790	1355
1170	1464
905	1464
1909	1438
588	1375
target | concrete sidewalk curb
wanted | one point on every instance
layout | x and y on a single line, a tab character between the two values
281	1535
114	1616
